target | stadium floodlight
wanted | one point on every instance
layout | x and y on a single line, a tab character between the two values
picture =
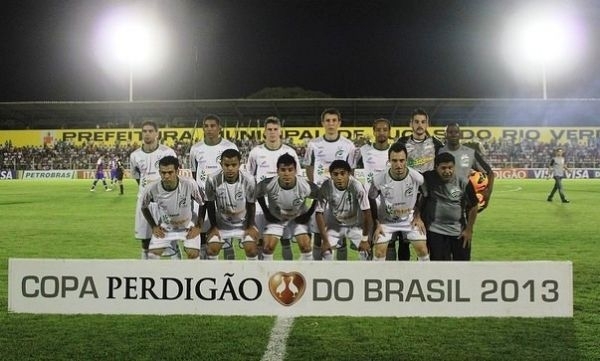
538	40
133	39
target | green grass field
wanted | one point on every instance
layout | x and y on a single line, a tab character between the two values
62	219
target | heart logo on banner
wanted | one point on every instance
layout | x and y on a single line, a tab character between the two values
287	287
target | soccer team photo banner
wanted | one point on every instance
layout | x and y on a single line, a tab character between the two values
283	288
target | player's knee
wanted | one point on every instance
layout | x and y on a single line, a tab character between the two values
192	253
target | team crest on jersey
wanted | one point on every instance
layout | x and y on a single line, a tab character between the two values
182	201
409	192
287	287
297	202
218	160
455	193
239	196
339	154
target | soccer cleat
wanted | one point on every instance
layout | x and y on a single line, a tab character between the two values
549	199
108	189
92	190
566	201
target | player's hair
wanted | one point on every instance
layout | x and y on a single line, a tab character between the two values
382	120
286	159
331	111
231	153
397	148
340	164
272	120
169	160
453	124
419	111
211	117
151	123
443	158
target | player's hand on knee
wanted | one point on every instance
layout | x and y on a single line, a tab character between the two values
252	231
158	231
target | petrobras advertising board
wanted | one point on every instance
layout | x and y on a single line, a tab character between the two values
283	288
48	174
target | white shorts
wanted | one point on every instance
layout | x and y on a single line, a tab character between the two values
336	235
142	227
261	224
411	233
288	228
229	235
165	242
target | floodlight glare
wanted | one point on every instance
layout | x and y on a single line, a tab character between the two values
130	40
542	39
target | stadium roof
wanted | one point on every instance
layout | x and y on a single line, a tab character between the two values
300	112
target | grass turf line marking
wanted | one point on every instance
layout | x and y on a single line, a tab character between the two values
279	334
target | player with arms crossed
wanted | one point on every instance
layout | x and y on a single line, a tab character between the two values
205	159
143	163
231	205
446	200
343	211
285	207
173	196
398	209
320	153
262	164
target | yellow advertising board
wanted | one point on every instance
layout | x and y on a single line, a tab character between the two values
298	135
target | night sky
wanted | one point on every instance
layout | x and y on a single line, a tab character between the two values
394	49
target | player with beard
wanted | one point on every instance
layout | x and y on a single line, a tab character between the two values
422	149
285	207
143	163
205	159
231	204
262	164
173	198
398	209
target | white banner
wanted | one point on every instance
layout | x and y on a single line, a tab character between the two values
48	174
453	289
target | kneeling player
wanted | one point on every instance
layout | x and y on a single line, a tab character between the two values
173	196
231	206
398	211
287	209
343	199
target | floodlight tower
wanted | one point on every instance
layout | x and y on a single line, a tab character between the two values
540	40
133	39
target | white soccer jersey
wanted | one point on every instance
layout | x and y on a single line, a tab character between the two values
397	197
374	161
320	153
343	207
287	204
262	161
174	207
144	166
230	199
206	159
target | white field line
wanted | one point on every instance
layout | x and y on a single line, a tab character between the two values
508	190
277	342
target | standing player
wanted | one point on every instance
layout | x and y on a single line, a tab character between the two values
143	163
231	205
262	164
119	171
320	153
398	209
422	149
449	211
205	159
558	170
467	158
344	211
100	175
373	158
287	209
173	198
112	165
